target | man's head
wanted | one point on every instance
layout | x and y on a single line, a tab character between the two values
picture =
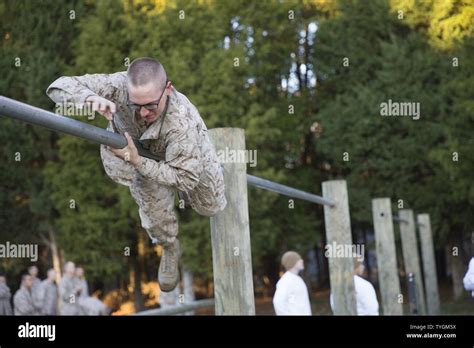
51	274
148	88
79	272
69	268
359	267
292	262
3	279
26	281
33	271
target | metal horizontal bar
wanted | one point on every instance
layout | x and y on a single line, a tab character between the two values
287	191
39	117
178	309
397	219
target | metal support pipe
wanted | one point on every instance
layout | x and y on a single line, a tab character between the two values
287	191
39	117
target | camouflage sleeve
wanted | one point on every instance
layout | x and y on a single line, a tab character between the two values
4	292
183	166
22	305
65	290
75	89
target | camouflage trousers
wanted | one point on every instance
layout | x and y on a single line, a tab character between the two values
156	201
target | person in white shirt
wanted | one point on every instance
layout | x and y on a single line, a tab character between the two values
291	295
366	298
469	277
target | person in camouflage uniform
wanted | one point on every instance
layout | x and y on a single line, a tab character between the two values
69	291
35	287
5	296
142	104
49	294
23	299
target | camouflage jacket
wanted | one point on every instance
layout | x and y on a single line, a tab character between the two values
23	302
181	139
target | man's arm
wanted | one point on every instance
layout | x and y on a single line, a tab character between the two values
183	166
76	89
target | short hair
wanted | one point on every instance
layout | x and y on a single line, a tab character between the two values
24	276
145	70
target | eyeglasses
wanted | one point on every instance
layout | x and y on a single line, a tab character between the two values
150	106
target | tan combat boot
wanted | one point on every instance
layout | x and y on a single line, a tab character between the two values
168	272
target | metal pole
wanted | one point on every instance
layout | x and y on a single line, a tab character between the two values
39	117
287	191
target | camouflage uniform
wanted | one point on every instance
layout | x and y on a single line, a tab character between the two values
5	295
69	296
190	164
23	302
36	294
49	297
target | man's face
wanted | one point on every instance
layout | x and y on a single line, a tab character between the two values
300	265
149	94
33	271
79	272
51	274
28	282
2	279
70	268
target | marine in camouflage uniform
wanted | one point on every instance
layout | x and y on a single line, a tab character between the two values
5	297
69	293
23	300
179	137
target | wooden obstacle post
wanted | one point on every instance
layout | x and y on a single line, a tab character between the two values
230	234
429	263
338	233
386	257
411	256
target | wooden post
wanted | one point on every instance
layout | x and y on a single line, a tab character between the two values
410	255
338	234
429	263
386	257
230	233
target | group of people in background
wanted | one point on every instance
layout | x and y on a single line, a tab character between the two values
292	297
46	297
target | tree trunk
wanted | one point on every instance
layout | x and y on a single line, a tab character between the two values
55	254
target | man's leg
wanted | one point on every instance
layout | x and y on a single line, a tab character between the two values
156	209
208	197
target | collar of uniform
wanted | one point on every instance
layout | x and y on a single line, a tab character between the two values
153	131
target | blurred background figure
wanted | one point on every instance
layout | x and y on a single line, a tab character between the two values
49	294
82	282
469	277
5	297
366	297
23	300
35	288
69	291
88	305
291	295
